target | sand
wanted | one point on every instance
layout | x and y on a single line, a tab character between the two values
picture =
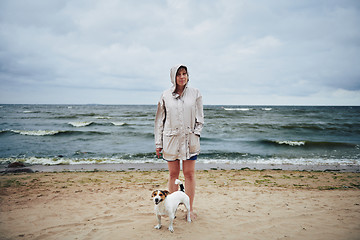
231	204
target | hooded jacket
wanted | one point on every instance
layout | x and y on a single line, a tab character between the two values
179	121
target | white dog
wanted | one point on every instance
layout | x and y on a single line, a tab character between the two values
167	204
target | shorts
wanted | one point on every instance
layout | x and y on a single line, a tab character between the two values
192	158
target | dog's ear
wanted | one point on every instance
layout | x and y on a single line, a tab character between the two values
166	192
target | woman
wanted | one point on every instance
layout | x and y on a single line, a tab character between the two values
178	124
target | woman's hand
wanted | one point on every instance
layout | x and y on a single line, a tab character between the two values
158	152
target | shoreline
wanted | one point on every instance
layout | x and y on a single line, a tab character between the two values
113	167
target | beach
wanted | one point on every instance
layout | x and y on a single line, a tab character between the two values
231	204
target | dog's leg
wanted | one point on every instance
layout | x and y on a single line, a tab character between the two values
171	228
159	222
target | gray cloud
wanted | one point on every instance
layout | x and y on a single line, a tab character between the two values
238	52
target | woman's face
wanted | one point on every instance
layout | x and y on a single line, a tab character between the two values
181	77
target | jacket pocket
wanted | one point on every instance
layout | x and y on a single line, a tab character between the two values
194	143
170	143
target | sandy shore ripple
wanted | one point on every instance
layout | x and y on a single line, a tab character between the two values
231	204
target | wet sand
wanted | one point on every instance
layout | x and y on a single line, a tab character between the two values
199	166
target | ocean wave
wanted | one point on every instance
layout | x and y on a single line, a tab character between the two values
29	111
78	115
36	132
345	128
305	126
52	132
66	117
80	124
150	158
144	135
126	158
3	131
102	117
236	109
330	144
118	123
86	114
86	133
319	128
211	139
284	161
309	144
245	109
291	143
227	155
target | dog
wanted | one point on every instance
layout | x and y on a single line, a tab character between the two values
167	204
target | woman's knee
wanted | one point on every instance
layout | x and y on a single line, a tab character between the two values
189	169
174	174
189	174
174	169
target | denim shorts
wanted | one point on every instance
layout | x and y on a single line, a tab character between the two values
192	158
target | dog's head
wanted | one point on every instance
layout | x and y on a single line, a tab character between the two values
159	195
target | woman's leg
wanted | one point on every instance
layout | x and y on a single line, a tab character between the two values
189	174
174	171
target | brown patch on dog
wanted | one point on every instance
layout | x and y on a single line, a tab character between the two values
162	194
154	193
166	192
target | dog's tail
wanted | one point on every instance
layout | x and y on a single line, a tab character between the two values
178	182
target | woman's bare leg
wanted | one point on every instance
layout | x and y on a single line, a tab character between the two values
190	183
174	172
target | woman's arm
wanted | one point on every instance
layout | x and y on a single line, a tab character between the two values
199	122
159	126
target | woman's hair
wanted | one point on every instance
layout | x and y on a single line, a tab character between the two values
182	67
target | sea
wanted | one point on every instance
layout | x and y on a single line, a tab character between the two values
98	134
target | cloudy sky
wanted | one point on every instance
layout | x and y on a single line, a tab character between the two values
242	52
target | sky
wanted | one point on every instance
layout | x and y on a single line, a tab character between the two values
238	52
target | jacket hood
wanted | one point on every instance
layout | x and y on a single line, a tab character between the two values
173	72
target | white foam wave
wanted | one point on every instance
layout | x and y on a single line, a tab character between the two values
266	109
28	111
118	123
291	143
36	132
237	109
102	117
284	161
80	124
76	161
270	161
